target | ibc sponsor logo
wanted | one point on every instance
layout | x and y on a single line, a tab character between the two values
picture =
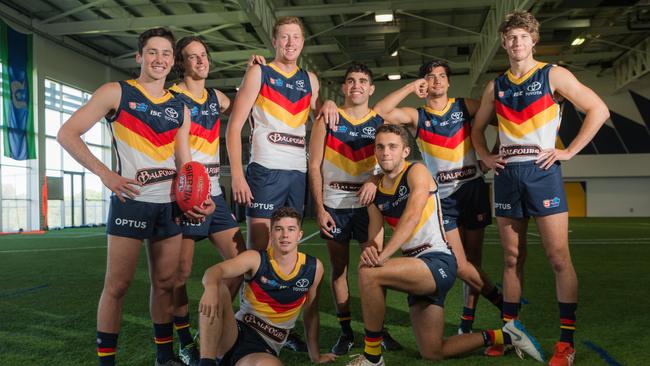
552	202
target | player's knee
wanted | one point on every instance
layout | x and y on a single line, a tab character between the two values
164	281
510	258
560	262
432	355
116	288
184	271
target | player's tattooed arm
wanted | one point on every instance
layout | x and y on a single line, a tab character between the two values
104	102
311	319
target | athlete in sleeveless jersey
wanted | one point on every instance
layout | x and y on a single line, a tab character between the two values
205	106
407	199
442	129
279	283
341	160
150	135
528	181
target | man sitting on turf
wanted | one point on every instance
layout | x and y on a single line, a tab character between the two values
407	197
278	282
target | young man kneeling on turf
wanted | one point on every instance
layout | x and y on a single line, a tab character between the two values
279	281
407	198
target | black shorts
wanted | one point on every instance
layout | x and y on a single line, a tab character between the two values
443	268
468	207
248	341
142	220
221	219
275	188
351	223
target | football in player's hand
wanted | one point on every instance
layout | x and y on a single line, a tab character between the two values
192	186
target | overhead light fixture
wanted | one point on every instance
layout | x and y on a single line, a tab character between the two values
578	41
382	16
394	53
394	76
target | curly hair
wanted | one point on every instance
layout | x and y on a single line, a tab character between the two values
523	20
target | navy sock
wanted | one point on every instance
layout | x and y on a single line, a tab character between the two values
182	325
106	348
467	319
163	335
510	311
567	321
344	320
495	297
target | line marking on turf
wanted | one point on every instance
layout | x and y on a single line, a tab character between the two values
23	291
602	353
309	237
47	249
533	234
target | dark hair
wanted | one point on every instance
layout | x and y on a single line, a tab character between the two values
283	212
359	67
396	129
178	52
520	19
426	68
155	32
287	20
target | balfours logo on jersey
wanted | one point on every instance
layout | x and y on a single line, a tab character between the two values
154	175
286	139
275	333
465	172
213	169
345	186
519	150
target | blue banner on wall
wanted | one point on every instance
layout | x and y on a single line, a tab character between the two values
18	120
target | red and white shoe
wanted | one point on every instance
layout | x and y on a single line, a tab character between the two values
563	356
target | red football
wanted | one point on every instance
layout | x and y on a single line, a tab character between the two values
192	186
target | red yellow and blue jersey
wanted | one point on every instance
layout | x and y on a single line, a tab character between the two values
278	119
205	114
429	234
349	159
270	301
528	114
444	141
144	132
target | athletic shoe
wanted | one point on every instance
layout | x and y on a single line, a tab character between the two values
295	344
522	340
563	356
361	360
389	343
462	331
343	344
171	362
189	355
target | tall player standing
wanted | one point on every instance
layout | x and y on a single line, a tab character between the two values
442	131
280	96
341	160
150	134
206	106
528	179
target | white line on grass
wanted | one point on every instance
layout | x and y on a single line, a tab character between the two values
47	250
309	237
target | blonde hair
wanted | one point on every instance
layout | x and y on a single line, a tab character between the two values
523	20
287	20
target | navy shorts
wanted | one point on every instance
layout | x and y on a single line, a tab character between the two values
443	268
221	219
524	190
275	188
351	223
468	207
248	341
142	220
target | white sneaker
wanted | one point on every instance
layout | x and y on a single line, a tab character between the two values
522	340
361	360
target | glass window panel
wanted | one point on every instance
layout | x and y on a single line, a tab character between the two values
52	122
14	182
54	208
69	164
14	215
53	154
93	199
94	135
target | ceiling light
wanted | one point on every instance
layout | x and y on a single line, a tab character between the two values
394	76
382	16
578	41
394	53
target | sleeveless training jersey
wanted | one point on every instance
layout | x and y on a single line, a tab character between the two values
270	302
528	114
349	159
444	140
429	234
205	114
278	119
144	131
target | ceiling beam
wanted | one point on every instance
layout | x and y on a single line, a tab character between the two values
633	64
358	8
137	23
439	41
